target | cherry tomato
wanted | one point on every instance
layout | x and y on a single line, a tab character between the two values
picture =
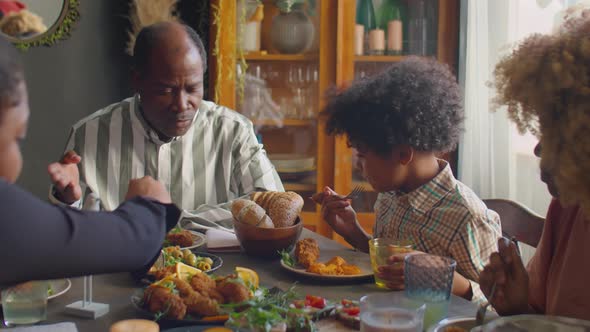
315	301
352	311
299	304
346	302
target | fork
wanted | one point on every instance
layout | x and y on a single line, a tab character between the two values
481	312
356	191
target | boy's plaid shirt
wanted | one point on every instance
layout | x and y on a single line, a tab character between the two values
443	217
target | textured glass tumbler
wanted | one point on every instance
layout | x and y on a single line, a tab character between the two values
429	279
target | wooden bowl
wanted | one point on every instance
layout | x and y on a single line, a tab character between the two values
267	242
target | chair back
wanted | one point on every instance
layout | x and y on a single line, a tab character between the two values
518	222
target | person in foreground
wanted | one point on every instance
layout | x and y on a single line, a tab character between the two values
396	123
204	153
545	84
44	241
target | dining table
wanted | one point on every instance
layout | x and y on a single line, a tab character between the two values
117	289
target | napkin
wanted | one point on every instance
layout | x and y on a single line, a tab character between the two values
60	327
222	241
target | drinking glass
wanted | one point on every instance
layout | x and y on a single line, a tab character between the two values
390	312
428	279
25	303
380	249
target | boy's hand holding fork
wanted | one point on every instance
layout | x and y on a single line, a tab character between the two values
339	214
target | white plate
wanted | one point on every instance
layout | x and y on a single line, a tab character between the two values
291	163
352	257
59	287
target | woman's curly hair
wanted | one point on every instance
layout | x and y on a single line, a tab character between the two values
545	82
416	102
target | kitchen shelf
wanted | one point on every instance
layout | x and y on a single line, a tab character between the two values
280	57
284	123
292	186
378	58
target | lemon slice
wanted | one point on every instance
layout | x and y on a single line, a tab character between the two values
249	276
185	272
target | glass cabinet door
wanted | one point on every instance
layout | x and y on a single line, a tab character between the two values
278	85
380	33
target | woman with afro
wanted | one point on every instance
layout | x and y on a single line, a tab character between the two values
545	83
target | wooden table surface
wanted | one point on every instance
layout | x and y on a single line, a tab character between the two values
116	290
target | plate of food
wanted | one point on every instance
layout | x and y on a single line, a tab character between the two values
173	259
236	300
307	260
184	238
57	287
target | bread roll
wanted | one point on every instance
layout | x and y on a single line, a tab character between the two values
283	208
266	222
249	212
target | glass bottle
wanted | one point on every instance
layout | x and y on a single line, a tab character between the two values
392	20
365	16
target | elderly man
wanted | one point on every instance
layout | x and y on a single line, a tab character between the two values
205	154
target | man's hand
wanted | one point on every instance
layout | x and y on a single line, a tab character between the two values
512	282
66	178
149	188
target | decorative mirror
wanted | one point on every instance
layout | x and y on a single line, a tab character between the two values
29	23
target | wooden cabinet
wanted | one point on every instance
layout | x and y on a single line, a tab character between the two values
283	93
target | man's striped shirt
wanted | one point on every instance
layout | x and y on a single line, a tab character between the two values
443	217
219	159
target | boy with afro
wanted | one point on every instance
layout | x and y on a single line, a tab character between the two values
397	122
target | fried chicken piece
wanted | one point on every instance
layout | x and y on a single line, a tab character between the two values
206	286
181	238
233	291
162	273
200	305
161	299
307	252
183	287
197	303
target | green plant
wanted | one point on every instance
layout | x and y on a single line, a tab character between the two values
61	31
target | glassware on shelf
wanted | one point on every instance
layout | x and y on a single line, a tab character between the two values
302	81
422	26
292	32
418	26
258	103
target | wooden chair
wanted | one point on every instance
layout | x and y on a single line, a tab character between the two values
518	222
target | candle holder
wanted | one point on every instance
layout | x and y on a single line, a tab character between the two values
86	308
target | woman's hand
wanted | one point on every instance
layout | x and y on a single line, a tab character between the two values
512	282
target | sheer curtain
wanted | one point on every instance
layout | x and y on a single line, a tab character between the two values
494	159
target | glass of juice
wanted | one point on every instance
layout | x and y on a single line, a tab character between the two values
25	304
428	279
380	249
387	312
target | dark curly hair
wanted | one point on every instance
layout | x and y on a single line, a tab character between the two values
416	101
11	73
